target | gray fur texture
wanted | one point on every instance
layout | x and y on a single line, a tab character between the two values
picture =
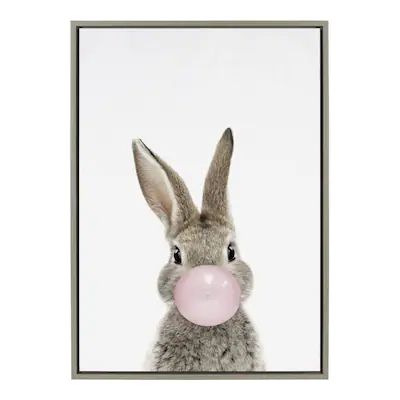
202	238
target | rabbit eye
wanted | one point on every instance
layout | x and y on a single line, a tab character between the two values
231	253
177	255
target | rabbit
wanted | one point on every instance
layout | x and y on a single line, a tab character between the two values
197	238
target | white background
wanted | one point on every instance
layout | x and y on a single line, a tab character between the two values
178	89
365	141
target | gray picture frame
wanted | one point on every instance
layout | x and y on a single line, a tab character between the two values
76	372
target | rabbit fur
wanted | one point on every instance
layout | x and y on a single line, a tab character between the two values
202	238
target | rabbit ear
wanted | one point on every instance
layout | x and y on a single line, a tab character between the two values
163	189
215	196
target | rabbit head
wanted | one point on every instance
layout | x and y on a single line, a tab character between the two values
195	238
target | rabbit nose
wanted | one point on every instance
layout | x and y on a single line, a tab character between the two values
206	265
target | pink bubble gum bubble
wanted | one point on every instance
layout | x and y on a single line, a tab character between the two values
207	295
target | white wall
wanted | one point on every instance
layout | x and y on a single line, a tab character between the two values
35	339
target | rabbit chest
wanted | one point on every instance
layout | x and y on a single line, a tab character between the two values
184	346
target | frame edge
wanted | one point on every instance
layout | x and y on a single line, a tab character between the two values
325	191
200	24
74	204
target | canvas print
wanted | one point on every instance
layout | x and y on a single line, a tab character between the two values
199	212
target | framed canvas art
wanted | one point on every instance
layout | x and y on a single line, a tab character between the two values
199	199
